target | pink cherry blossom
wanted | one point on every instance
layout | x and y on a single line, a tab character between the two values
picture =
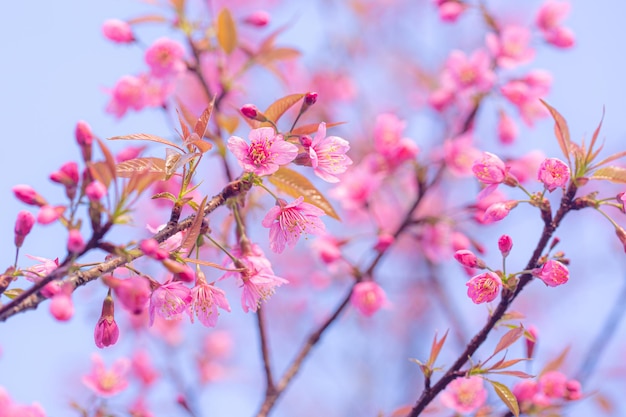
356	189
165	57
328	155
107	382
551	14
288	221
507	129
61	305
498	211
525	390
510	46
128	93
489	169
525	167
75	242
460	154
205	299
8	408
142	368
552	273
327	248
118	31
465	395
573	390
169	300
133	292
95	191
561	37
505	244
484	288
553	384
368	297
471	73
83	133
483	204
389	142
554	173
23	225
27	195
468	259
266	152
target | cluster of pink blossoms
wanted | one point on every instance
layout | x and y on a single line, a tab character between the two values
8	408
550	389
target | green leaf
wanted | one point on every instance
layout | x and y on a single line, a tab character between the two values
506	396
296	185
226	31
611	173
13	292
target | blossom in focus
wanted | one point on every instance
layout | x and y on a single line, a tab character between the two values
107	382
169	300
465	395
484	288
553	173
288	221
552	273
489	169
265	153
368	297
106	332
205	299
328	155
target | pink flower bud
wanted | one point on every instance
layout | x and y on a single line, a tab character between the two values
106	332
484	287
151	248
83	133
61	305
182	272
27	194
553	173
552	384
384	241
310	98
621	199
66	175
531	341
259	18
75	242
621	235
449	11
250	111
489	169
49	214
23	225
573	390
505	243
552	273
507	129
95	191
468	259
368	297
133	292
118	31
498	211
560	37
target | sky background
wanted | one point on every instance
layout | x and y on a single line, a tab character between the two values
56	66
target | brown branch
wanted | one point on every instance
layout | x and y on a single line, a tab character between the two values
31	298
269	379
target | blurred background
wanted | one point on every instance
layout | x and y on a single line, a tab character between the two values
57	68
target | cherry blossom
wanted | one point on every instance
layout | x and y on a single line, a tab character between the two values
265	153
107	382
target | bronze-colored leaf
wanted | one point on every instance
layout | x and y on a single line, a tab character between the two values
131	167
108	158
183	125
277	54
561	130
226	31
194	231
502	364
610	173
148	137
594	138
556	363
13	293
296	185
151	18
506	396
209	264
508	339
518	374
312	128
435	349
100	171
200	145
228	123
280	106
203	121
140	181
611	158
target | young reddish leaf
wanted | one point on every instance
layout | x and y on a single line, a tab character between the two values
183	125
226	31
506	396
312	128
508	339
556	363
201	145
100	171
209	264
518	374
512	315
277	54
131	167
611	173
502	363
594	138
151	18
611	158
560	130
194	231
148	137
228	123
280	106
188	116
402	411
203	121
296	185
435	349
108	159
140	181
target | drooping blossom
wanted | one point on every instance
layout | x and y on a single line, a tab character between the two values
328	155
61	305
205	300
287	222
106	332
165	57
368	297
484	288
465	395
107	382
133	293
511	47
553	173
118	31
265	153
481	206
169	300
552	273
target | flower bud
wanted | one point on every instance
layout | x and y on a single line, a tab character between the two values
552	273
531	341
505	243
252	112
75	242
95	191
310	98
468	259
23	225
118	31
27	194
106	332
49	214
259	18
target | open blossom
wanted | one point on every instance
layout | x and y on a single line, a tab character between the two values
548	20
465	395
389	142
489	169
288	221
552	273
165	57
554	173
128	93
169	300
469	72
266	152
205	299
107	382
510	47
368	297
484	287
460	154
552	384
328	155
8	408
118	31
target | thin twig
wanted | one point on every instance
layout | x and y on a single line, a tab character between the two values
265	354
